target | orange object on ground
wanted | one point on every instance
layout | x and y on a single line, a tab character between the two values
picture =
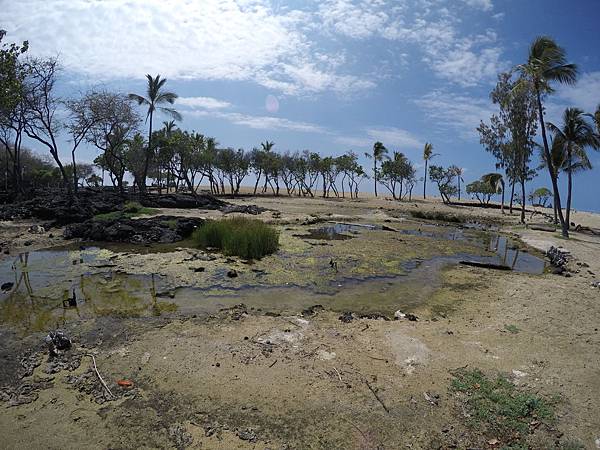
125	383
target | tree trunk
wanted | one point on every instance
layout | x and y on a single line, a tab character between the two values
502	206
551	169
569	187
425	181
142	184
375	174
74	171
512	196
523	202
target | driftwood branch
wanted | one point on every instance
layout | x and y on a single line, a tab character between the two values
377	397
99	376
485	265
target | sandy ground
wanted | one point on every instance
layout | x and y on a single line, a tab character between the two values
238	379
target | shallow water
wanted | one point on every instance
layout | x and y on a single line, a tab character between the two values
45	280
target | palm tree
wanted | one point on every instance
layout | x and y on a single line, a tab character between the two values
558	158
154	98
496	181
379	152
574	135
596	118
547	63
427	156
458	171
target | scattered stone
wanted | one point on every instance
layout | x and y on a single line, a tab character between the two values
244	209
559	260
180	436
346	317
312	310
247	435
399	315
596	284
160	229
198	269
7	286
232	273
57	341
36	229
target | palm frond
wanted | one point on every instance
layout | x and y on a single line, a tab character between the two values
166	97
171	112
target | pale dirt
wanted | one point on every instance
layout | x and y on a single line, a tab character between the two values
303	383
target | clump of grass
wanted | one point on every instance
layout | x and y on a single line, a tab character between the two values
438	216
512	328
498	408
238	236
130	209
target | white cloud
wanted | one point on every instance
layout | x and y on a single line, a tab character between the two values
262	122
433	28
390	136
585	94
459	113
202	102
185	39
485	5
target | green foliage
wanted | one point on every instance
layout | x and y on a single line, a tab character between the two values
481	190
239	236
439	216
397	172
130	209
512	328
499	407
444	178
540	197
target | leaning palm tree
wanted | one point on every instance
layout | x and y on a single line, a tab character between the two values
558	158
379	152
427	156
496	181
154	98
546	63
575	135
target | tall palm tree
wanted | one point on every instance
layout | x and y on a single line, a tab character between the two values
458	171
155	96
496	181
558	157
379	152
546	63
574	135
427	156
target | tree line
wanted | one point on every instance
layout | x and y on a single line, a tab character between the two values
179	159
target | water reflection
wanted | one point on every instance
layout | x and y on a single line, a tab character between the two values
49	291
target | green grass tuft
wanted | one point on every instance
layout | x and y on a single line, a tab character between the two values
130	209
438	216
238	236
512	328
498	406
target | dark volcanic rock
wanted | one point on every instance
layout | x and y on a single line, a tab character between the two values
56	206
244	209
184	201
161	229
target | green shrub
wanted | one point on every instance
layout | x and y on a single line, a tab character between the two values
437	216
239	236
499	406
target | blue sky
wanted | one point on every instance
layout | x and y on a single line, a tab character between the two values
330	75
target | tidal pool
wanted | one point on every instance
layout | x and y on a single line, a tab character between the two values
44	282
